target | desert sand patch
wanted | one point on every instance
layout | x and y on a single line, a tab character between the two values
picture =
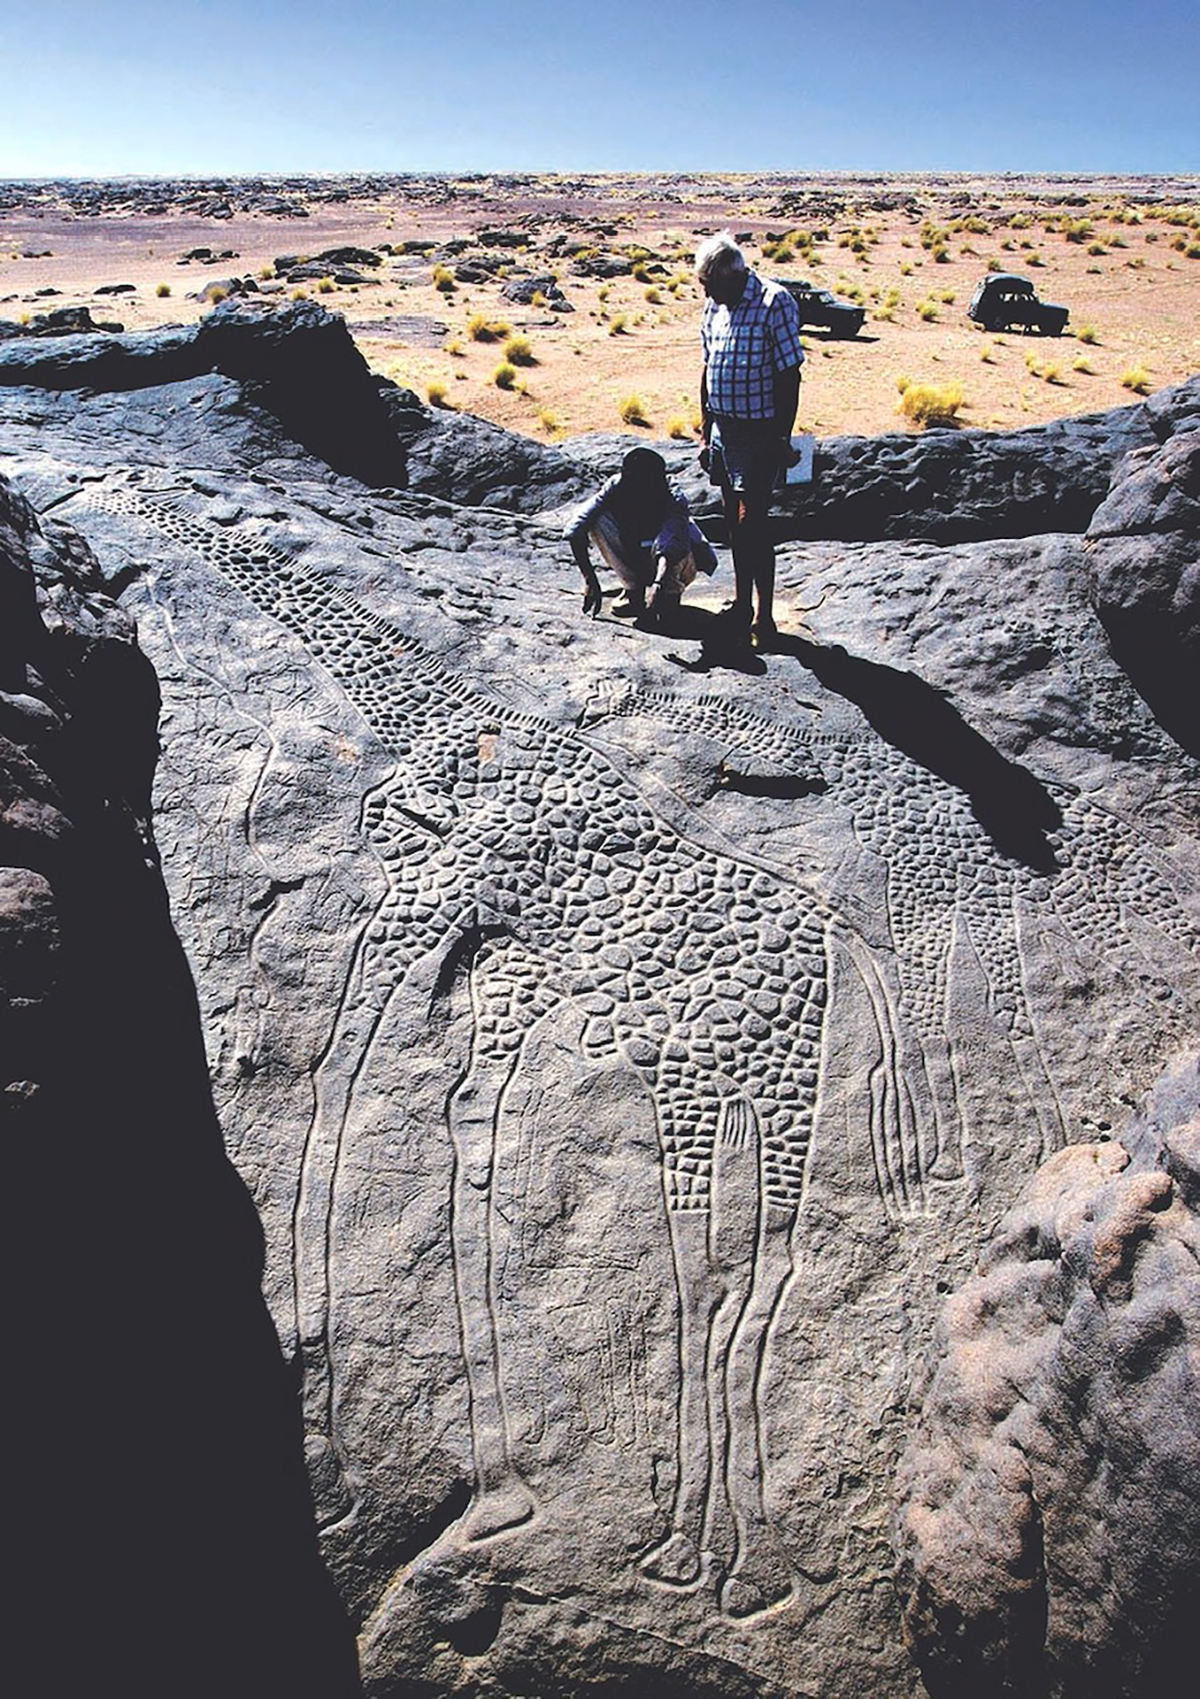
433	315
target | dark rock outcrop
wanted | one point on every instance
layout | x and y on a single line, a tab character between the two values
160	1495
954	486
1145	577
1050	1525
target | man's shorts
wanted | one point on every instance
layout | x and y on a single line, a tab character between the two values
746	454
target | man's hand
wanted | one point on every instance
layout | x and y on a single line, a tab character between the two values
592	599
705	458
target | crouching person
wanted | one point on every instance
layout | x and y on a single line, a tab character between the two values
642	530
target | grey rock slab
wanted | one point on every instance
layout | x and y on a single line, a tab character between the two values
626	1050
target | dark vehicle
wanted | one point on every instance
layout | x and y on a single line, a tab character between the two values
822	307
1003	300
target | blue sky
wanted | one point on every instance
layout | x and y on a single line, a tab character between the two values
108	87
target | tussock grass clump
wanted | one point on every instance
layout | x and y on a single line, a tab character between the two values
443	280
326	286
653	297
931	403
987	355
505	376
927	310
163	290
1081	363
480	328
455	348
1087	333
632	411
435	392
1137	378
548	420
678	428
618	325
518	350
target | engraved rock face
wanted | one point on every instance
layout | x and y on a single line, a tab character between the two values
1050	1508
626	1052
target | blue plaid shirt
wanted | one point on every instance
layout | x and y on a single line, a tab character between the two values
746	346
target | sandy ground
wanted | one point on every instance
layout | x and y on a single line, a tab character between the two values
1131	280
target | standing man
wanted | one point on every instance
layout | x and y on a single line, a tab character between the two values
749	393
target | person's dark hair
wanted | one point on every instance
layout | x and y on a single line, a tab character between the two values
643	466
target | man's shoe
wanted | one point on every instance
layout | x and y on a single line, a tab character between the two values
765	634
632	606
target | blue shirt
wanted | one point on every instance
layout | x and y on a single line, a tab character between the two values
747	346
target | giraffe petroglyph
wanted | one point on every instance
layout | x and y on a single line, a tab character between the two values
945	882
523	867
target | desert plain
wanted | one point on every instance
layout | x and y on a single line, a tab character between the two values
424	269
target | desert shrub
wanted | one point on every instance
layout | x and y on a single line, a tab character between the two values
678	428
927	310
548	420
220	294
443	280
987	355
931	403
618	325
265	273
505	376
906	269
1087	333
326	286
1096	249
632	411
947	297
653	297
1077	230
940	255
518	350
1081	363
1137	378
482	329
603	292
455	347
1052	374
1035	259
1192	251
163	290
994	264
435	392
1020	221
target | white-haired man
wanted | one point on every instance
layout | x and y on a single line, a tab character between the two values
749	394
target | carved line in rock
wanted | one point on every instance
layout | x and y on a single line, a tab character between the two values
948	888
523	866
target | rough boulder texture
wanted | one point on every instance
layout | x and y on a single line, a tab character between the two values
1050	1528
627	1044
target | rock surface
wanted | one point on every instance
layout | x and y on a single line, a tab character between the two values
160	1477
627	1044
1050	1522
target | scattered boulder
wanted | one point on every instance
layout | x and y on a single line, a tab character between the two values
116	289
62	321
222	288
523	289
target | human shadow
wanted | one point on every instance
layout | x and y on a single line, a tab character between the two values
1013	807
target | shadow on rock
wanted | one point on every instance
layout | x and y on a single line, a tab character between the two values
167	1542
1011	805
